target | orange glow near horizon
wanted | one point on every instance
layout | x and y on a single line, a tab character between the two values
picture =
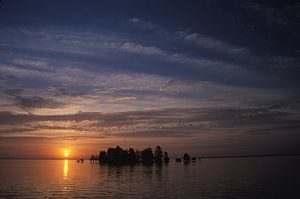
66	152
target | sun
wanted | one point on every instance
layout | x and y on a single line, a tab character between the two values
66	154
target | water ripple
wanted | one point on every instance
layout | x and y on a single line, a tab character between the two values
249	178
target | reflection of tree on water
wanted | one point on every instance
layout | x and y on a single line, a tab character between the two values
158	172
131	169
148	170
119	171
153	170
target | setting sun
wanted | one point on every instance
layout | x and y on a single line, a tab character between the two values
66	152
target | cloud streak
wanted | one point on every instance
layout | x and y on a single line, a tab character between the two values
166	121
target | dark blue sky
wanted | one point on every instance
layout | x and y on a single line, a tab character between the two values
258	36
219	73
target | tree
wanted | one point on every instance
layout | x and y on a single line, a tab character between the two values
102	157
93	158
147	156
158	155
111	155
117	156
186	158
166	157
138	156
132	156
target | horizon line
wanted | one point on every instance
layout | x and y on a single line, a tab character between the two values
200	157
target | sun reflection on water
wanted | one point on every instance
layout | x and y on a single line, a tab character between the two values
66	169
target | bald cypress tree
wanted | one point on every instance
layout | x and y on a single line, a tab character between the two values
147	156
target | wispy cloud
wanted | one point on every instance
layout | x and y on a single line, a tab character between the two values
168	122
215	45
144	50
69	71
36	102
95	48
143	25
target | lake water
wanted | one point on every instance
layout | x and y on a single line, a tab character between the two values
269	177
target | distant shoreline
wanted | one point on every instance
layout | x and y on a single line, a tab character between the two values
203	157
250	156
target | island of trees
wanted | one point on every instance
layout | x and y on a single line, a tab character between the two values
118	155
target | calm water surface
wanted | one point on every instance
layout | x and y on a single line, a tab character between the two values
272	177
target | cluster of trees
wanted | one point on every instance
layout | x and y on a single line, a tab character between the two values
120	156
186	158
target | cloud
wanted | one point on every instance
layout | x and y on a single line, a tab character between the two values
47	139
168	122
144	26
63	92
70	70
157	133
15	130
73	52
134	20
28	103
144	50
175	85
215	45
34	63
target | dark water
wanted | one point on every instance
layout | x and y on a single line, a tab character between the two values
272	177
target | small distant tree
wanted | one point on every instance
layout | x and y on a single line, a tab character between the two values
158	155
93	158
186	158
166	157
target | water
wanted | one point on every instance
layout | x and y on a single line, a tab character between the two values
272	177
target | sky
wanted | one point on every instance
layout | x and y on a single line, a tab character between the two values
204	77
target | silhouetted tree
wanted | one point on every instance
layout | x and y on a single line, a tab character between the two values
178	159
132	156
138	156
166	157
186	158
102	157
117	156
122	155
93	158
158	155
111	155
147	156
